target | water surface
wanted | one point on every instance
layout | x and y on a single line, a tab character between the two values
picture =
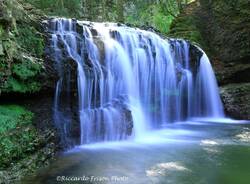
181	153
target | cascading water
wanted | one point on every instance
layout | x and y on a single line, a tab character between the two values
129	75
208	98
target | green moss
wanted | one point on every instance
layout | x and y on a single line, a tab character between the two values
65	8
30	40
162	22
227	30
26	69
23	76
10	47
1	31
153	15
19	70
16	85
11	115
21	48
186	27
16	144
17	134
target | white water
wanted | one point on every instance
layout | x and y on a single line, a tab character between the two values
123	72
207	91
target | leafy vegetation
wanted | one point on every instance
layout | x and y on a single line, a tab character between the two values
21	48
152	15
185	27
30	40
26	69
12	115
158	14
23	77
15	85
17	134
65	8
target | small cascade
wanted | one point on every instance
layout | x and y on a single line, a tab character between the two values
128	80
208	102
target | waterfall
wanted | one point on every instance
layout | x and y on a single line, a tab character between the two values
128	80
208	103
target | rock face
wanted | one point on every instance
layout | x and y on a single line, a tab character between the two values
21	48
236	98
222	28
227	27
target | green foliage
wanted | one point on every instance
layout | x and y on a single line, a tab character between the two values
16	144
17	134
26	69
140	12
15	85
150	14
24	76
18	70
65	8
1	31
13	115
162	22
185	27
20	46
30	40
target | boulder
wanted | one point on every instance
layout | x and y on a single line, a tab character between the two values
236	98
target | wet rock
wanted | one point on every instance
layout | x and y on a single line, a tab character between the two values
232	72
101	47
129	122
236	99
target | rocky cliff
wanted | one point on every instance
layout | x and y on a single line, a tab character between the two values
222	28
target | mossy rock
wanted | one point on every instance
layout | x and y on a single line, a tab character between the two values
26	69
236	99
186	26
23	147
21	48
17	133
30	40
12	115
227	27
24	76
15	85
